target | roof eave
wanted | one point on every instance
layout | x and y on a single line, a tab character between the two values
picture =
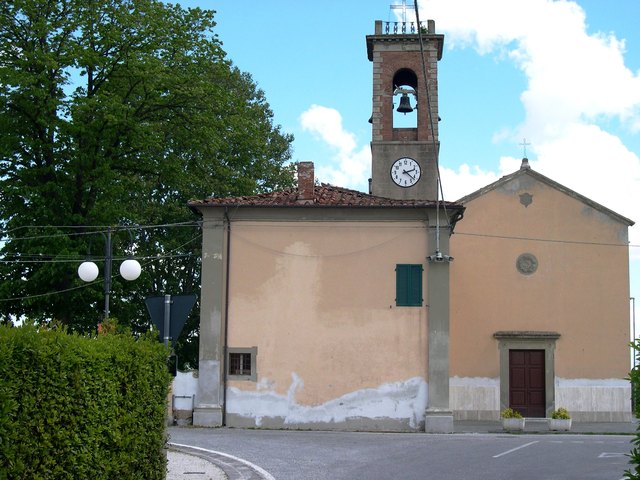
552	183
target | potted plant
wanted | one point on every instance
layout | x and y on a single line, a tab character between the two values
512	420
560	420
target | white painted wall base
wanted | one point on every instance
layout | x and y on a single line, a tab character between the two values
588	400
602	400
183	396
396	406
475	398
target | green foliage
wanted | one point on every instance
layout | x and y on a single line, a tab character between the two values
510	413
117	112
634	378
634	459
561	414
81	407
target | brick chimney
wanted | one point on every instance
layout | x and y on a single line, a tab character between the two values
306	182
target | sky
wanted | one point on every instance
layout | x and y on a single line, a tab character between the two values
564	75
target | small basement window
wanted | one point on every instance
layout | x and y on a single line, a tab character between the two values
408	285
241	363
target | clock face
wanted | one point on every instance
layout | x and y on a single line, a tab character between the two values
405	172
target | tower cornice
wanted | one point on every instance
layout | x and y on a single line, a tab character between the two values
408	40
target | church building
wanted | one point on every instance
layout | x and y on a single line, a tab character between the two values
328	308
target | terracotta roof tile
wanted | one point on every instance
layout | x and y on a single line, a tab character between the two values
324	195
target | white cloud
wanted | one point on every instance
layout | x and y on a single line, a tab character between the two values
589	159
327	123
571	74
350	166
467	179
574	80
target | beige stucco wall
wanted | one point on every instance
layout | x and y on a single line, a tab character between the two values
579	290
318	300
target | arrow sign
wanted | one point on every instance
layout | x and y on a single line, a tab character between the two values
178	307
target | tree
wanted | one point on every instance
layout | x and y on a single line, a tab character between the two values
116	113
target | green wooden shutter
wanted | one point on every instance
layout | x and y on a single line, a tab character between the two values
415	285
408	285
402	285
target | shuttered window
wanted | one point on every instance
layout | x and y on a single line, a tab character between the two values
408	285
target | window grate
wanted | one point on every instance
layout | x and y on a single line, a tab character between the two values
240	364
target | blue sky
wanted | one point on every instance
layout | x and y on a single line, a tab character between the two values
563	74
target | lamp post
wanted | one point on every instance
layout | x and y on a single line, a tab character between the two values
88	271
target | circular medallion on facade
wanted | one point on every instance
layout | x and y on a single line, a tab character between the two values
527	263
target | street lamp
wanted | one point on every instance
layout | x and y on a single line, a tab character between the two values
129	269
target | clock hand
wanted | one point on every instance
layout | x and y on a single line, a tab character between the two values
409	173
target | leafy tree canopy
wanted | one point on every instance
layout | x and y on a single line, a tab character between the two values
116	113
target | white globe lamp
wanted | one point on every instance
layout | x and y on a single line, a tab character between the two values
88	271
130	269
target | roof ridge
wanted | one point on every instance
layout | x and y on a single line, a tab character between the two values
324	195
550	182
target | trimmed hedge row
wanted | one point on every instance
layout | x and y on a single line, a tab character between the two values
81	407
633	473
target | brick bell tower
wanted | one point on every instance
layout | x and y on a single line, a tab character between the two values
405	141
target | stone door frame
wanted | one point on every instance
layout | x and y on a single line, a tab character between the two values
517	340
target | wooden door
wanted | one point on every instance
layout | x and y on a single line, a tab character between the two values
526	382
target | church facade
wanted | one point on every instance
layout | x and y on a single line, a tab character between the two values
327	308
541	282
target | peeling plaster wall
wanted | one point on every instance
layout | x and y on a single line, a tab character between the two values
317	300
395	406
400	406
184	389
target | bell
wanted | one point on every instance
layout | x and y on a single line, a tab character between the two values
405	105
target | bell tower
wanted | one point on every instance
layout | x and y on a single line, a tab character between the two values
405	141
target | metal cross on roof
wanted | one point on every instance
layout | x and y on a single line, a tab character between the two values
402	6
524	147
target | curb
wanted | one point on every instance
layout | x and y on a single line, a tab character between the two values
233	467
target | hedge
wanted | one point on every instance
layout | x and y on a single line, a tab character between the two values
75	407
634	376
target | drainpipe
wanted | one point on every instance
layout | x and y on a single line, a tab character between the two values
226	316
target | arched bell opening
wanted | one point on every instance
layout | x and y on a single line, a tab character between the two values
405	99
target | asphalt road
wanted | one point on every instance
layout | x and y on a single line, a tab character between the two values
293	455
